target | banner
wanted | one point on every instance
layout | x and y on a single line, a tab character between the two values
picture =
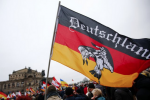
55	83
97	51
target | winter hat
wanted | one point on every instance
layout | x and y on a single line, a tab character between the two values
91	85
69	91
78	91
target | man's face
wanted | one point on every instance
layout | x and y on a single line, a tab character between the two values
90	89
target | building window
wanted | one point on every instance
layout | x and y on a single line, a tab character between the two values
37	82
13	84
8	85
17	84
4	86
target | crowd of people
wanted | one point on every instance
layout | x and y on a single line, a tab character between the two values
139	91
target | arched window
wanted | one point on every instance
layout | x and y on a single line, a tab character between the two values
13	84
4	86
8	85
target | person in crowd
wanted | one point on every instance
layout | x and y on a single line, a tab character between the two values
52	93
81	88
97	94
146	72
90	89
23	97
123	94
99	86
1	98
142	83
102	88
69	94
85	89
110	93
81	96
143	94
61	92
39	96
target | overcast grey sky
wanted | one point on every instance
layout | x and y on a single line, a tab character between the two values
26	29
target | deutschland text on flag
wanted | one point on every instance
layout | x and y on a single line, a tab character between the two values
97	51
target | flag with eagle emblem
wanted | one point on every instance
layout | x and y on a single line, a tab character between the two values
97	51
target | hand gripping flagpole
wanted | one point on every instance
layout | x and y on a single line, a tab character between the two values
51	52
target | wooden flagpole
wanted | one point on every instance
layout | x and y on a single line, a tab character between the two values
51	52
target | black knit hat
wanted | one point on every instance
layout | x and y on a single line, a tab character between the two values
91	85
78	91
69	91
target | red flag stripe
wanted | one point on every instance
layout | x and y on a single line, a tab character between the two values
118	57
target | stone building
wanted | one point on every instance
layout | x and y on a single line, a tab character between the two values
22	79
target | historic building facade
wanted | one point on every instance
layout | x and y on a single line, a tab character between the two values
22	79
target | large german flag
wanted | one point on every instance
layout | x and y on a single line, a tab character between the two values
97	51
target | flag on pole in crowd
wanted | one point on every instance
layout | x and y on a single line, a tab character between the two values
19	93
32	90
25	93
97	51
38	92
27	89
55	83
13	94
63	83
43	86
3	95
8	96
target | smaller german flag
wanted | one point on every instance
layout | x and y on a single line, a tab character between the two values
3	95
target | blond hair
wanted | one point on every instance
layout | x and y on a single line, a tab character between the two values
97	92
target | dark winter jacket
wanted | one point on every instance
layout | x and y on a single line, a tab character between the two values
70	98
123	94
143	94
90	95
81	97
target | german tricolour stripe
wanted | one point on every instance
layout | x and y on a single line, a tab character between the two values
98	52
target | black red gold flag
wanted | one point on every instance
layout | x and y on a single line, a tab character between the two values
97	51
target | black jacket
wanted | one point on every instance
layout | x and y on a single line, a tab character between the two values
123	94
